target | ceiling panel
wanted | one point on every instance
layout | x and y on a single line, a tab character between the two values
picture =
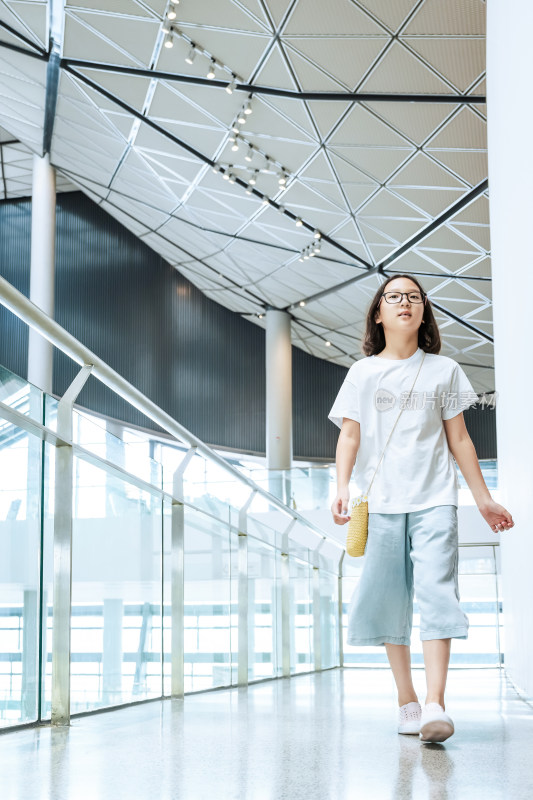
367	175
28	18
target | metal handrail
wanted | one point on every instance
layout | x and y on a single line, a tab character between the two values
33	316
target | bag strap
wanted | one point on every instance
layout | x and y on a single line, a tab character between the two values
397	418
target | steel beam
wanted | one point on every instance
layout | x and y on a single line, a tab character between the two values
272	91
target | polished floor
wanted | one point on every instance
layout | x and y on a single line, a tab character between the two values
330	736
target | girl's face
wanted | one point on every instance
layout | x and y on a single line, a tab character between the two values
405	315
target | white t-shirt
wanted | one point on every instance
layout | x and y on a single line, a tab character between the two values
417	470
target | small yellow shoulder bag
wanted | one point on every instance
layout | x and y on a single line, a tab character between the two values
357	532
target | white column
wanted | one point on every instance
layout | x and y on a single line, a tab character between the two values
278	390
43	224
510	122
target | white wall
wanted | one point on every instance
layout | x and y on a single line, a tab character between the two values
510	133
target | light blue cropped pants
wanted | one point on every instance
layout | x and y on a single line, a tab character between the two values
406	554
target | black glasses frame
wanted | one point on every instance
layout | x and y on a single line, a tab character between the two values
424	296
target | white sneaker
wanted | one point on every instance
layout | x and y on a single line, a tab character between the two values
409	718
435	724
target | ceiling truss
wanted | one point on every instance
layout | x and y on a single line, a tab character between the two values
376	113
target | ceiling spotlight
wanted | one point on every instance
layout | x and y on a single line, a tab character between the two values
261	316
302	303
235	128
230	88
215	169
248	108
266	168
253	179
171	13
311	253
316	247
328	344
235	146
282	179
249	153
318	235
249	190
191	55
211	73
301	257
232	138
241	119
227	172
299	222
266	201
231	178
169	41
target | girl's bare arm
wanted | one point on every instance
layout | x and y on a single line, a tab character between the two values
347	447
464	452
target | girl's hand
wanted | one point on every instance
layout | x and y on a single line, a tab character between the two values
496	515
339	507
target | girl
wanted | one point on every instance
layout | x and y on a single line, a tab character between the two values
412	541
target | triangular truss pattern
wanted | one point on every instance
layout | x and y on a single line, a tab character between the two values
142	135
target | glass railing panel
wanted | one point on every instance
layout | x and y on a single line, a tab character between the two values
210	592
116	626
263	599
265	521
301	488
20	496
276	482
116	591
268	522
304	540
301	614
91	433
20	395
170	456
329	618
206	485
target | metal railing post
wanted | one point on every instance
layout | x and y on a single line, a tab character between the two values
242	666
63	553
339	610
286	603
177	580
317	615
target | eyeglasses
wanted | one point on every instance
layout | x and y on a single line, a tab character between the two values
396	297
